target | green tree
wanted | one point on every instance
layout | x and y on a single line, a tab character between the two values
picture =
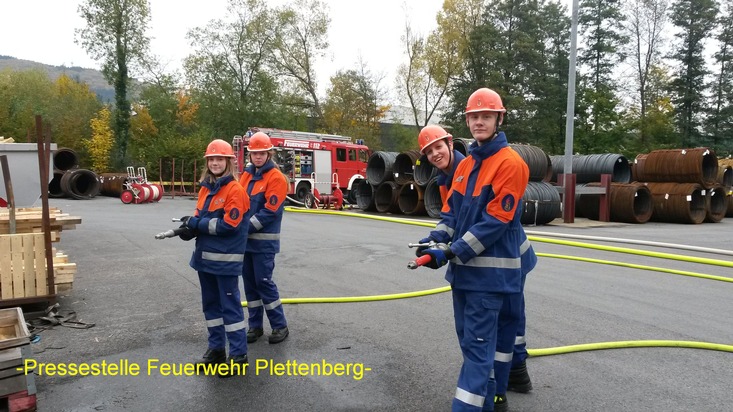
598	121
719	126
115	34
228	71
693	19
351	107
301	39
23	94
72	107
646	21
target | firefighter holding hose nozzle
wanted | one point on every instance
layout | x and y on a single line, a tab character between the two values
220	228
488	254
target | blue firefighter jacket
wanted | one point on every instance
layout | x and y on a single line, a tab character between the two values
222	238
267	188
482	219
444	179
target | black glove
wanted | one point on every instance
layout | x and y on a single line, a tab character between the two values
187	233
421	249
440	254
190	221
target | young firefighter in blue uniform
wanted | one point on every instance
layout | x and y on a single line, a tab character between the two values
436	144
220	245
481	218
267	188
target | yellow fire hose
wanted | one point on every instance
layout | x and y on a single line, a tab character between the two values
543	351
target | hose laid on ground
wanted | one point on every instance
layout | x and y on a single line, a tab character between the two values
542	351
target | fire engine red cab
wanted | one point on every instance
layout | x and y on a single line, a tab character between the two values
312	160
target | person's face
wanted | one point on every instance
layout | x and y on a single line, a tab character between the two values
216	164
482	125
439	154
258	158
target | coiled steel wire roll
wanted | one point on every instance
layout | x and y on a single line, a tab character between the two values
716	204
112	184
462	145
410	199
725	175
365	196
431	198
729	213
386	197
540	166
80	184
589	168
54	186
404	166
678	165
677	202
630	203
380	167
65	159
541	204
424	171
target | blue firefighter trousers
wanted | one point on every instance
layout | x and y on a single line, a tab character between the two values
261	291
510	317
520	342
477	320
223	312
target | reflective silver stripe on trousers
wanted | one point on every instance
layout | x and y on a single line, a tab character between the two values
212	323
524	247
469	398
254	304
273	305
235	327
212	225
255	222
264	236
445	228
520	340
503	357
223	257
491	262
473	243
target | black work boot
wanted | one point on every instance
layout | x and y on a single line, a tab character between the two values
500	403
235	366
519	380
278	335
213	356
254	334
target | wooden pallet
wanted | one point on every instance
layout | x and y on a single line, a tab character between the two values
22	266
30	220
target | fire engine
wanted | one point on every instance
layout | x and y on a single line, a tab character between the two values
311	161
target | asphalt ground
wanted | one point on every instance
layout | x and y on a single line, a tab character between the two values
145	302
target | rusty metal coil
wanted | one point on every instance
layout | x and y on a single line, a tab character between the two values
716	204
380	167
410	199
65	159
677	202
424	171
431	198
725	175
462	145
404	166
112	184
386	197
80	184
678	165
541	204
729	213
365	196
630	203
54	186
538	162
589	168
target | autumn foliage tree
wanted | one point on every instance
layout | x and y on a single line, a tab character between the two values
100	144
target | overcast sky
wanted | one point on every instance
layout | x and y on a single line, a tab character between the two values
43	31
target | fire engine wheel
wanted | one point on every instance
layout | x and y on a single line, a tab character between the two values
310	201
127	197
301	191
